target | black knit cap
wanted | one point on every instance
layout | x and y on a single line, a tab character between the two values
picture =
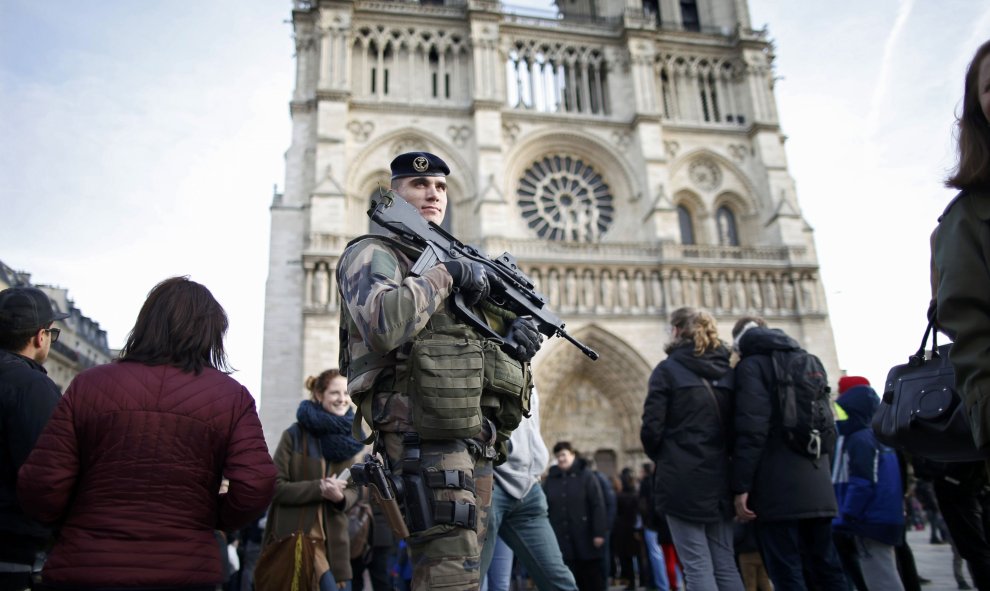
418	164
25	308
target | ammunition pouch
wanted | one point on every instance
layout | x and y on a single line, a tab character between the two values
445	384
508	384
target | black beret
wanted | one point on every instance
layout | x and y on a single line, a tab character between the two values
418	164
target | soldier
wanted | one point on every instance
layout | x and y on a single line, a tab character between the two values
418	375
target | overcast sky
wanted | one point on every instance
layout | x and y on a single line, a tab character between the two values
140	140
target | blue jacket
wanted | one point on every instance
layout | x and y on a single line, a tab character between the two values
866	477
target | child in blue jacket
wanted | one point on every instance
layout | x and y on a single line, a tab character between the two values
867	484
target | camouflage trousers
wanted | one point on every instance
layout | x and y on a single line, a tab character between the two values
448	556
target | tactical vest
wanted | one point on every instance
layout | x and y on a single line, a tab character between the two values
451	373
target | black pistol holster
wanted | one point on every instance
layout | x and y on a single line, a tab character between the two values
422	512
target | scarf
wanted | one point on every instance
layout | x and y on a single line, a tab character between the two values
334	432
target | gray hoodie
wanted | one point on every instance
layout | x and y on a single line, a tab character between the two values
528	455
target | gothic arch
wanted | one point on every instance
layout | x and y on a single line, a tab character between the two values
594	404
734	181
593	151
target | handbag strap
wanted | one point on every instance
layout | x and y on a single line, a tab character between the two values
919	357
302	469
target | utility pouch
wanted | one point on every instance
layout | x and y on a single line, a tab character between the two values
445	384
508	382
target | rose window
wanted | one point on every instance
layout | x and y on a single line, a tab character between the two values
562	198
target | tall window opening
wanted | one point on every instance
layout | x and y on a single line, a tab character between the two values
686	223
728	235
689	15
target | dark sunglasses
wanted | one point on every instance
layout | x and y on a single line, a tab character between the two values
54	332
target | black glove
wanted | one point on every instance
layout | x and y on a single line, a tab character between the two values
470	278
526	338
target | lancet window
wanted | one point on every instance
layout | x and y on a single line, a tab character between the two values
414	65
557	79
686	222
728	235
699	90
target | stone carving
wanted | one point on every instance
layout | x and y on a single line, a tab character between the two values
738	152
671	148
770	287
621	140
787	294
705	174
738	294
707	292
361	129
510	131
724	297
676	291
459	135
755	295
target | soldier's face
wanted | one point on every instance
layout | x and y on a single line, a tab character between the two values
428	194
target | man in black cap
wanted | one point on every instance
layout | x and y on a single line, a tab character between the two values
27	399
417	373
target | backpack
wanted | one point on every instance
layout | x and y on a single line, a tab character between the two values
807	422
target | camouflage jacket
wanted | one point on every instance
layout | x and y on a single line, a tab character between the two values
382	309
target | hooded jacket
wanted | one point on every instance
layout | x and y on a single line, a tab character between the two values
866	474
781	483
528	456
686	433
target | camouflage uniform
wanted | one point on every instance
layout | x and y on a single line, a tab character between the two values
382	310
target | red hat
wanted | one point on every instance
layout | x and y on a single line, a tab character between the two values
846	382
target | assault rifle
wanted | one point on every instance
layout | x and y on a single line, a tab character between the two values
511	289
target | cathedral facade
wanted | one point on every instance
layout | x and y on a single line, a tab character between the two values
626	152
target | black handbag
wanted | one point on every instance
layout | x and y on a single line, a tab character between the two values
921	413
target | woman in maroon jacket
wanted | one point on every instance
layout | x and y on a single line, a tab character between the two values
130	465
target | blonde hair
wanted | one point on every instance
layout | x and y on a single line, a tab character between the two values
697	326
318	384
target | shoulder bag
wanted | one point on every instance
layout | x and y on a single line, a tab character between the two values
289	563
922	413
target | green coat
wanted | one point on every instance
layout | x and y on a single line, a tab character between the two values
961	285
298	499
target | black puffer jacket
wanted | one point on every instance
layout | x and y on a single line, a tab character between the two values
577	510
781	483
684	432
27	399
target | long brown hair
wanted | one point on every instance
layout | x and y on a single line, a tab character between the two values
696	326
180	324
973	130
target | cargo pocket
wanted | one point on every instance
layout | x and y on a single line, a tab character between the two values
446	379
